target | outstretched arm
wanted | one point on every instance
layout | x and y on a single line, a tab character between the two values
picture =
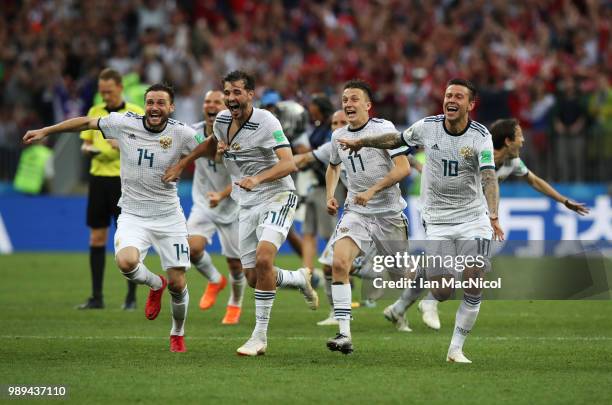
400	170
72	125
385	141
302	160
208	149
491	192
543	187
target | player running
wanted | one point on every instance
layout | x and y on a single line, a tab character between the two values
459	169
374	205
507	143
259	159
151	214
215	211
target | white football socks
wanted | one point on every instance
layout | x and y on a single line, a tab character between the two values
341	295
289	278
263	306
406	299
465	319
142	275
180	303
206	267
238	283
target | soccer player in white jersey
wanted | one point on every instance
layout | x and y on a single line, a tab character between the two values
151	214
507	143
215	211
374	205
459	169
259	159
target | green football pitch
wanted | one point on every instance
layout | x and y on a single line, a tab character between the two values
523	351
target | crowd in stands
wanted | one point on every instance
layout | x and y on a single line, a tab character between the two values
546	62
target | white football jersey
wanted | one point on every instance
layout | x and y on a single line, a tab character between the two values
252	151
145	156
323	153
367	167
511	167
212	176
451	190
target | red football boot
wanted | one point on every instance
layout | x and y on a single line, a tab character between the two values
153	305
177	344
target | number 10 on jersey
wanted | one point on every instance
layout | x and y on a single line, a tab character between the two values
451	167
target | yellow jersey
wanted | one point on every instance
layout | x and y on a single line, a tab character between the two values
105	163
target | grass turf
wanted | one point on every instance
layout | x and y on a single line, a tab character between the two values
523	351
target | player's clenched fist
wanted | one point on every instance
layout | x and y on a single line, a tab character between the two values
363	198
33	136
352	144
214	198
248	183
221	148
332	206
172	173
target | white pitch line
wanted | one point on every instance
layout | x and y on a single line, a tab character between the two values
494	338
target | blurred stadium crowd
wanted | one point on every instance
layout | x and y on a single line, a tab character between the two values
546	62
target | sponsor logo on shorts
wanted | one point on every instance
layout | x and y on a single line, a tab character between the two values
165	141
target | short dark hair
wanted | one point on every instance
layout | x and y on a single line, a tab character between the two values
465	83
359	84
247	79
502	129
111	74
161	87
324	104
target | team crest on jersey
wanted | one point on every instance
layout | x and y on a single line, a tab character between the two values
165	141
466	152
235	146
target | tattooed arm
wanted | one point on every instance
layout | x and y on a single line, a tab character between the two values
491	192
385	141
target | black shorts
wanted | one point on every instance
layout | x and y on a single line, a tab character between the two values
104	193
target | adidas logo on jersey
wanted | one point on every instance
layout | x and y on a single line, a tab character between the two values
132	136
435	147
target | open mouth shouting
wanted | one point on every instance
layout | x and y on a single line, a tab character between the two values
234	108
351	113
452	108
155	118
